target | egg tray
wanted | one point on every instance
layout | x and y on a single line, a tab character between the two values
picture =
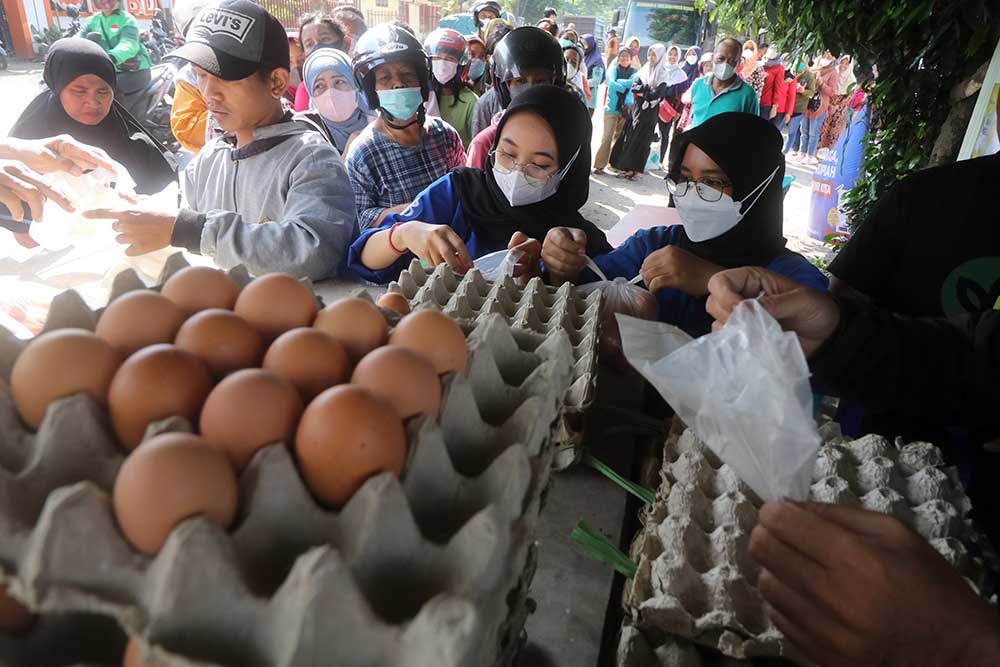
65	640
535	307
695	579
431	568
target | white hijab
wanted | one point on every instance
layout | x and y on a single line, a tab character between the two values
662	72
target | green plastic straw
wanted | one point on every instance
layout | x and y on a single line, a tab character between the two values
599	548
640	492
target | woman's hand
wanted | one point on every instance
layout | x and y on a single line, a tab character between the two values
679	269
564	252
528	264
435	244
61	153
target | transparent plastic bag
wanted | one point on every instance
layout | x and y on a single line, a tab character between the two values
620	296
498	264
744	390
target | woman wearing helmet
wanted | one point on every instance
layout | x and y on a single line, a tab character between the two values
449	54
403	151
489	104
483	12
477	64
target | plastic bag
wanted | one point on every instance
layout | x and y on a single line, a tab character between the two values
620	296
744	390
498	264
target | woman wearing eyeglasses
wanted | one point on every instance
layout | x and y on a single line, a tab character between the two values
536	177
726	183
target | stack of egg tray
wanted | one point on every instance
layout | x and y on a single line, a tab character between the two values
429	569
693	601
535	307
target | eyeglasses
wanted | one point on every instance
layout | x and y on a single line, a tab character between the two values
505	164
709	189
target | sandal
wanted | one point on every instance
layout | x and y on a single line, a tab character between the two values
600	172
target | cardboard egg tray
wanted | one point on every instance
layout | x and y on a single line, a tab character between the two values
695	585
535	307
432	568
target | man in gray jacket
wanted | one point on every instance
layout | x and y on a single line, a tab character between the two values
273	195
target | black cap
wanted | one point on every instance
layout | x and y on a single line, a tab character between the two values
234	39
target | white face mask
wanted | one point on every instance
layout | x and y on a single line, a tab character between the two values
522	192
444	70
692	60
825	62
748	54
704	220
723	71
571	70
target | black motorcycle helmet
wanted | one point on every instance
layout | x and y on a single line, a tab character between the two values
485	4
388	43
526	48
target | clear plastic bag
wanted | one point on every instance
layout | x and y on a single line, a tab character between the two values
99	188
498	264
620	296
744	390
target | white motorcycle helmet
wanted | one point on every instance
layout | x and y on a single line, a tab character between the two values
186	11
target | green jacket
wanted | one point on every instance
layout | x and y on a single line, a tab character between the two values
119	37
802	97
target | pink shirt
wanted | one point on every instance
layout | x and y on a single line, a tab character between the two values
301	98
482	144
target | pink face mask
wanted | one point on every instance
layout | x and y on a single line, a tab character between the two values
336	105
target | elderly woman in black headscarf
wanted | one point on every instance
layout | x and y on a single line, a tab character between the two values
726	182
80	102
537	176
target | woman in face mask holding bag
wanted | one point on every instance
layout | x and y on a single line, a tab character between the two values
537	175
335	95
731	215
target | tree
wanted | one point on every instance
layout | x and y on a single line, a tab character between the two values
922	49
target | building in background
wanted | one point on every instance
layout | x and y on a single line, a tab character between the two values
421	15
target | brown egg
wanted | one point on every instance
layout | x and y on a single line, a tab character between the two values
155	383
172	477
276	303
139	318
356	323
404	378
394	301
198	288
248	410
345	436
223	340
310	359
61	363
434	335
14	616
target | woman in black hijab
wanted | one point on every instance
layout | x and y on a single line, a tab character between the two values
726	182
80	102
538	176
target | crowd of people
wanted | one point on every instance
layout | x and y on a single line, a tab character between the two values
343	151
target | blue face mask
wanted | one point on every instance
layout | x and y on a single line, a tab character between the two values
476	69
401	103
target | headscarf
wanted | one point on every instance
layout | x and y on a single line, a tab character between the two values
654	76
751	63
327	59
593	56
495	30
485	207
635	49
692	71
119	134
845	79
747	148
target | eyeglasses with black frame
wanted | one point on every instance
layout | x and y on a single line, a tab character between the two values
708	189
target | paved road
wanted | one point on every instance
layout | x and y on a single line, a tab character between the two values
18	86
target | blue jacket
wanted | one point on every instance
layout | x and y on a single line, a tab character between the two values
618	87
676	307
437	204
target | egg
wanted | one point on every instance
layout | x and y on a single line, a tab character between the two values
198	288
61	363
15	618
310	359
139	318
356	323
222	339
394	301
156	382
248	410
404	378
172	477
345	436
434	335
276	303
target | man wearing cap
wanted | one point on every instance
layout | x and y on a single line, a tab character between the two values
273	194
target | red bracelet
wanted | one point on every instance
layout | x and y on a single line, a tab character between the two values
393	245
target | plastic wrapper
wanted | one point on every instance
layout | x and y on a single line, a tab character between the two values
498	264
99	188
744	390
620	296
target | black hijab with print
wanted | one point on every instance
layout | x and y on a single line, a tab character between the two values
748	148
119	134
485	207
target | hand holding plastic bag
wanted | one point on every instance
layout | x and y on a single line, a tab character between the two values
620	296
498	264
743	389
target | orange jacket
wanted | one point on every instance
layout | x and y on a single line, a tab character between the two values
188	116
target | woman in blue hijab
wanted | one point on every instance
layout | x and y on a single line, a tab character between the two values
335	96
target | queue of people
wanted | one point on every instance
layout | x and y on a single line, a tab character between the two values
367	177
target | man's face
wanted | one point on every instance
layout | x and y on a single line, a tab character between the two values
476	50
485	15
396	75
243	104
728	53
